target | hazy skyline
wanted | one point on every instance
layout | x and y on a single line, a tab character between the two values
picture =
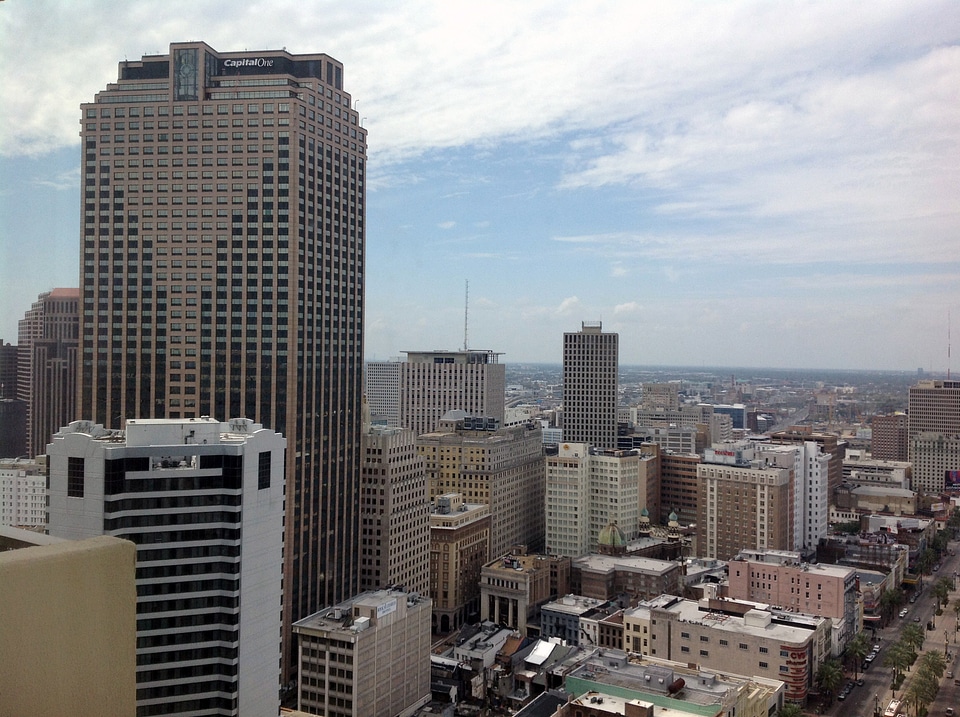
739	184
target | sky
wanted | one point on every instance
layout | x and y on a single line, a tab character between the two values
763	184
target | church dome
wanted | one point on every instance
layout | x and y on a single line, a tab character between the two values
612	536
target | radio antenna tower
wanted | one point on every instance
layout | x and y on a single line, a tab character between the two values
466	314
948	344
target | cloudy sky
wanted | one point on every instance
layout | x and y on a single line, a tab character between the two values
723	183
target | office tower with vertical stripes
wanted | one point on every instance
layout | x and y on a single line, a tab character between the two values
222	254
590	385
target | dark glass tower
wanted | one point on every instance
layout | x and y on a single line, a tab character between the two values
222	274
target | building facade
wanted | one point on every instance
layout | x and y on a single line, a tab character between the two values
418	392
47	344
459	548
590	385
23	493
394	512
203	502
587	490
222	249
743	503
889	437
366	657
513	587
499	467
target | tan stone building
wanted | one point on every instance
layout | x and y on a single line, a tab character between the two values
732	637
68	627
366	657
513	587
459	546
889	437
501	468
606	577
744	506
394	512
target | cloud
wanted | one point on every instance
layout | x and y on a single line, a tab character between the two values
568	306
630	308
447	225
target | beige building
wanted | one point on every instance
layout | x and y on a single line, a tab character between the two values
68	626
936	461
499	467
679	487
366	657
23	492
612	682
459	547
513	587
889	437
862	468
746	504
732	637
587	490
394	512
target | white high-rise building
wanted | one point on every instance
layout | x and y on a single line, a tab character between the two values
418	392
590	382
203	502
934	408
23	493
587	490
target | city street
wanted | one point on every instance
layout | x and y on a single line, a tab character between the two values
875	693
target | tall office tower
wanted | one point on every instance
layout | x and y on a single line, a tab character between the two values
394	512
422	389
47	345
13	428
203	502
743	503
499	467
587	490
382	389
590	381
8	371
936	462
934	407
889	437
23	493
223	270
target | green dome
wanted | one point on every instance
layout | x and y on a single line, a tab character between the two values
612	535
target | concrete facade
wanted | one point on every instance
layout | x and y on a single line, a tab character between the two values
590	382
68	631
366	657
203	502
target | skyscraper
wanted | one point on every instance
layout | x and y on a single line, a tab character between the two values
590	382
934	424
203	502
223	267
47	342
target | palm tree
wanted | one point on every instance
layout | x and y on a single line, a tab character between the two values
918	695
857	649
933	663
899	656
829	677
890	601
941	589
912	636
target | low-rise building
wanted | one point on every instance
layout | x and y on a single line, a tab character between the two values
733	636
366	657
513	588
605	577
459	545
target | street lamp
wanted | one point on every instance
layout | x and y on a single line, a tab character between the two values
876	706
946	644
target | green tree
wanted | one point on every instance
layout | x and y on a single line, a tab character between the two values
857	649
899	656
790	710
921	691
913	636
941	589
934	663
890	601
926	561
829	677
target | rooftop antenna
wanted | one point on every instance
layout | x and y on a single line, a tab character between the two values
466	314
948	344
